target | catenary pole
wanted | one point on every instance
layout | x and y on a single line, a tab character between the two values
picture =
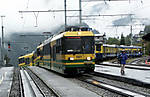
65	12
2	46
80	12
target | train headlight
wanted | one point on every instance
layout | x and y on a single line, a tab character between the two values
71	58
88	58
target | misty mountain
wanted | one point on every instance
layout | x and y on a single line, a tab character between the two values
122	21
21	45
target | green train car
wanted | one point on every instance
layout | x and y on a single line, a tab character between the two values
69	52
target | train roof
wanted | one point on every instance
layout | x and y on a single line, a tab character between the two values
21	57
77	28
25	56
121	46
99	35
124	46
108	45
68	33
40	45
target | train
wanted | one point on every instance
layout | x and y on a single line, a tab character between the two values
74	51
69	52
106	51
26	60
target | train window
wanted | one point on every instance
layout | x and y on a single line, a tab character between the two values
38	52
46	49
58	46
88	44
98	47
32	59
68	29
27	61
58	49
21	60
84	29
72	45
58	42
74	29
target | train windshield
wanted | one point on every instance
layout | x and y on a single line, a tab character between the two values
88	45
73	45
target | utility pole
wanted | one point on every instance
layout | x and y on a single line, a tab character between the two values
80	12
131	34
65	12
131	30
2	46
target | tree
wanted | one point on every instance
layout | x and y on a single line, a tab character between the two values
7	59
128	39
122	41
147	47
113	41
147	29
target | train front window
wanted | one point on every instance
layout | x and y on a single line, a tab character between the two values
88	45
85	29
72	45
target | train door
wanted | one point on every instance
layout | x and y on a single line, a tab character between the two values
49	53
53	56
104	53
51	65
32	60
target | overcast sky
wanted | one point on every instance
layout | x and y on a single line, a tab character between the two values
47	22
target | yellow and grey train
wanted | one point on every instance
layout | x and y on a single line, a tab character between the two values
105	51
26	60
69	52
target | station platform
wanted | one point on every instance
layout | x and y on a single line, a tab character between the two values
62	86
133	66
132	73
6	76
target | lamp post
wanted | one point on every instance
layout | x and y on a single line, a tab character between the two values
2	43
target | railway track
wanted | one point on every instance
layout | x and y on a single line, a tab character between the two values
17	86
115	88
45	90
28	84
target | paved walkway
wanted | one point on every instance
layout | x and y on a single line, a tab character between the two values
6	76
61	85
141	75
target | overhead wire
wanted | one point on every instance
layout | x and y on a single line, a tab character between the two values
27	4
22	17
